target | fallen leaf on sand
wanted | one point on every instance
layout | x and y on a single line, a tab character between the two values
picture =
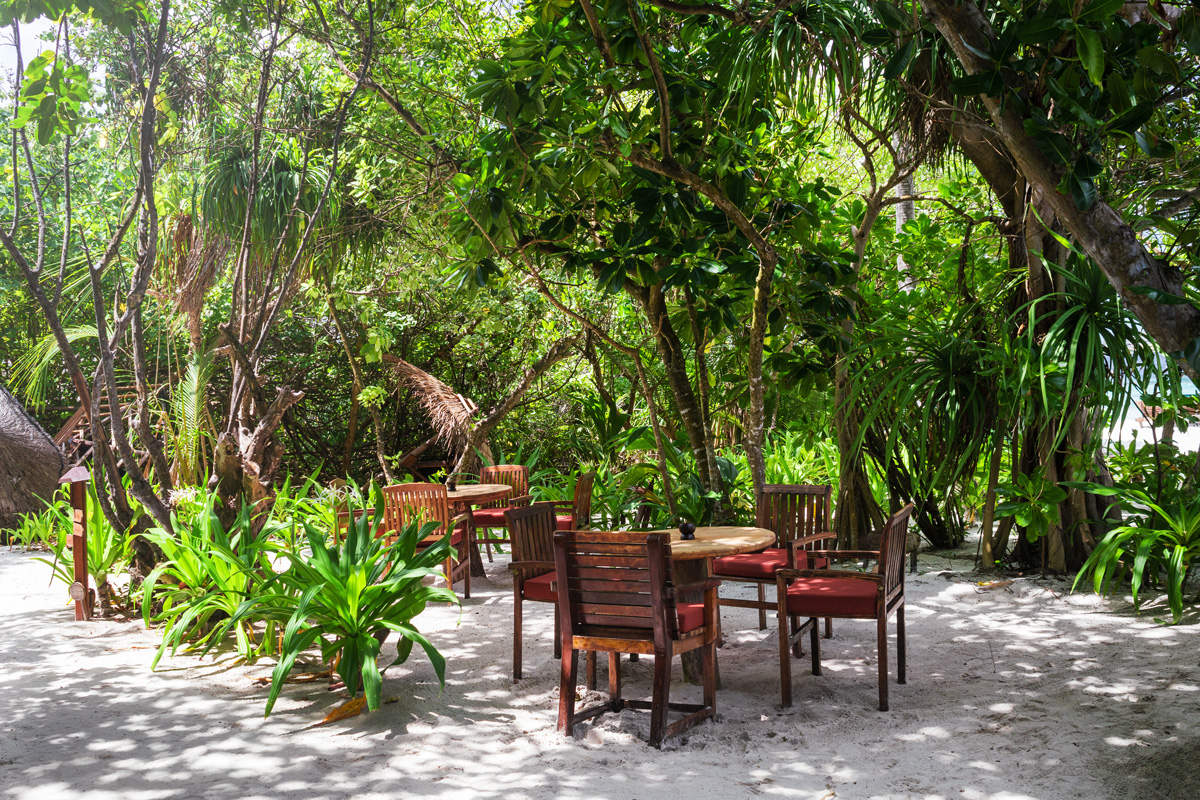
990	585
303	677
351	708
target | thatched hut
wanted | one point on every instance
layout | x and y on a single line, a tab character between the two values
30	462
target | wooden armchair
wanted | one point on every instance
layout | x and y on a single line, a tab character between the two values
616	594
492	515
799	517
428	502
846	594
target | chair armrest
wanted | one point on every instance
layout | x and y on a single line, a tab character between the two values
523	500
806	540
874	554
694	588
782	576
522	567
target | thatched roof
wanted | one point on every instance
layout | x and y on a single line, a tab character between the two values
451	414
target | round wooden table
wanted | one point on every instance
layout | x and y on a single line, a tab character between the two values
692	562
473	494
466	495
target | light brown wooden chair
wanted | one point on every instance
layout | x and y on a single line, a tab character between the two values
799	518
491	515
576	515
428	502
616	594
846	594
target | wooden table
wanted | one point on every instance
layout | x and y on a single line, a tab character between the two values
466	495
692	562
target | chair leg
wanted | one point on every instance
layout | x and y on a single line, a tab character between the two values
762	611
487	542
785	663
590	675
814	637
798	645
900	645
614	680
557	635
708	675
829	627
881	635
660	698
566	693
517	608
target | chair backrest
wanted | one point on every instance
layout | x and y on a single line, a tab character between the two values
513	475
582	504
423	502
792	511
615	584
347	518
531	532
891	550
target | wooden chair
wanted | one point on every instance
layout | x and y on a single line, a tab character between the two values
576	515
531	531
492	515
428	502
846	594
616	594
799	518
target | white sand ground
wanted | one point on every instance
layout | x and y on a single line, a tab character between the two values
1026	692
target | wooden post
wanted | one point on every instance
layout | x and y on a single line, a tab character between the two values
84	597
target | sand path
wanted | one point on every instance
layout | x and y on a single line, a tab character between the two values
1024	692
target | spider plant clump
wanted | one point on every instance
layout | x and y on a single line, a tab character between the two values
347	597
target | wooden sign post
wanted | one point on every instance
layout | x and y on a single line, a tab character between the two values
84	597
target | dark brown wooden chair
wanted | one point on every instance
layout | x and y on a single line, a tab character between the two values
846	594
428	502
799	518
616	594
531	530
491	515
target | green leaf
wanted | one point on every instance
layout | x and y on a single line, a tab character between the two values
891	16
900	60
1040	30
1129	121
1091	54
1100	10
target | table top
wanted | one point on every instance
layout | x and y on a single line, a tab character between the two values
478	492
722	540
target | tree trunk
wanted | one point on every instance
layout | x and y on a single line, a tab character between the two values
1100	231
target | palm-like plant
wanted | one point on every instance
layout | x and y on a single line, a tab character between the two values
207	576
348	597
1162	542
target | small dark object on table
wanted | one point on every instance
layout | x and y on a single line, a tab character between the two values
687	531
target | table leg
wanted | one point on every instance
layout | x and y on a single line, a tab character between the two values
686	571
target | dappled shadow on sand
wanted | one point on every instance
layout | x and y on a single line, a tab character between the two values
1020	693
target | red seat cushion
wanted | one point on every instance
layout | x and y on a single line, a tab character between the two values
490	518
823	597
564	522
539	589
691	616
761	565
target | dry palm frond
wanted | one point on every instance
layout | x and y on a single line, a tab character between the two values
451	414
192	263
